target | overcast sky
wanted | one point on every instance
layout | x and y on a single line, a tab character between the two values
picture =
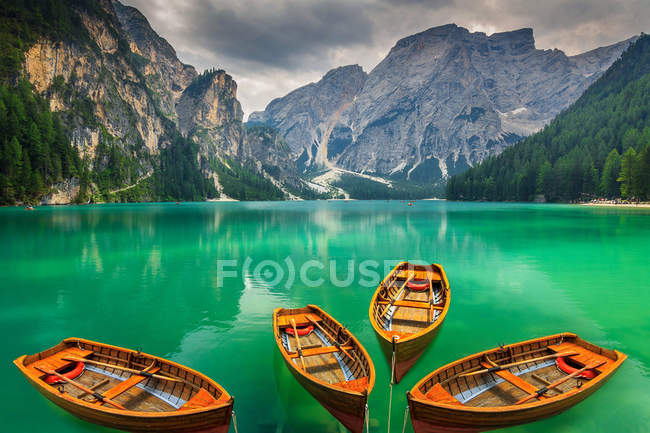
271	47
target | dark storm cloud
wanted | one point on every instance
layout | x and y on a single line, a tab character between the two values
274	46
278	34
282	36
428	3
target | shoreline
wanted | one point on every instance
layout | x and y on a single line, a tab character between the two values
644	205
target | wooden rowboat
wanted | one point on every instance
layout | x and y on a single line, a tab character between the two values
327	360
407	310
510	385
127	390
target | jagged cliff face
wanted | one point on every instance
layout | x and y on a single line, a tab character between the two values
441	101
165	75
100	75
307	116
125	87
209	112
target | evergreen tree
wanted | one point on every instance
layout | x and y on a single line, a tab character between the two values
24	182
591	181
14	157
628	161
641	174
609	186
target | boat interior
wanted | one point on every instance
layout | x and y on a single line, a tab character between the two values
485	381
409	300
329	353
133	380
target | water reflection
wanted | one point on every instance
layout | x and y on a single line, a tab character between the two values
147	276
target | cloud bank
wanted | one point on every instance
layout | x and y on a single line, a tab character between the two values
271	47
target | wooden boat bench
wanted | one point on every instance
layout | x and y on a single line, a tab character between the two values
57	362
319	351
514	380
424	305
125	385
419	275
301	320
584	356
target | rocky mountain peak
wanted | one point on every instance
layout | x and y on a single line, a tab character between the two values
440	101
343	72
208	102
451	35
516	40
313	111
208	110
164	72
432	34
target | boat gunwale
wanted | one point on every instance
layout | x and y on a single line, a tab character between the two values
414	336
19	362
319	382
620	358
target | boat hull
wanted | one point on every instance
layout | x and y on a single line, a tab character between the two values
217	421
408	352
346	405
348	409
428	419
437	417
202	420
409	348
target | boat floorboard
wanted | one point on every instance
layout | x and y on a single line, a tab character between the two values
324	367
136	399
411	320
505	394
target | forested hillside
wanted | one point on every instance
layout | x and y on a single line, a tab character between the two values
35	143
599	147
35	151
96	107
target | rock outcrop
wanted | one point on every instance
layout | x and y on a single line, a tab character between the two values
441	101
307	116
123	93
208	111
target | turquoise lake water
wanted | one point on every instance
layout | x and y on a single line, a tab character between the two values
189	282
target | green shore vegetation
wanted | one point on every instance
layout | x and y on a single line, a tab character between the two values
598	147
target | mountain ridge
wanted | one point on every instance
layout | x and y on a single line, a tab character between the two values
598	147
394	126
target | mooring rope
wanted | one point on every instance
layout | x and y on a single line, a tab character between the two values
367	419
392	377
406	412
234	421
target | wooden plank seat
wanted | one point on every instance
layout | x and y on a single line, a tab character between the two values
125	385
424	305
584	356
57	362
404	274
319	351
301	320
514	380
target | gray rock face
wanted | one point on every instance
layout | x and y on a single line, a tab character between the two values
209	112
441	100
307	116
164	73
140	94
